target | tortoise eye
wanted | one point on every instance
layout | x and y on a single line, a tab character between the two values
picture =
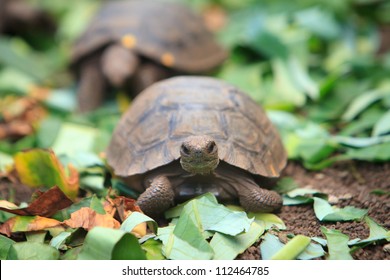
185	150
211	147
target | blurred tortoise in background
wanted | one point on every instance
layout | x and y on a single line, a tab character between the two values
132	44
189	135
18	17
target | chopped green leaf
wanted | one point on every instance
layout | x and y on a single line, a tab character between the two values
383	125
362	102
111	244
376	233
227	247
5	246
269	246
153	249
325	212
185	241
135	219
59	241
292	249
337	244
268	220
32	251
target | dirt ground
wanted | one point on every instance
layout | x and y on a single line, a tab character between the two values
348	183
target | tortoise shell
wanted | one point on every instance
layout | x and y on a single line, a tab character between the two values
168	33
150	133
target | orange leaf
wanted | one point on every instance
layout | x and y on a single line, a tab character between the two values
125	206
26	224
88	219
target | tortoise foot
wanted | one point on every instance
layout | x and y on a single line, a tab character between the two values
260	200
157	198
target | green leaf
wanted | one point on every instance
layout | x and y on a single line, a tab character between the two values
62	100
269	246
311	252
376	233
319	21
93	183
337	244
15	54
48	131
58	242
268	220
325	212
300	196
380	152
153	249
364	124
383	125
292	249
111	244
74	21
14	80
245	77
135	219
184	241
5	246
71	254
198	218
85	135
211	216
268	43
37	236
6	160
285	185
361	142
32	251
362	102
227	247
301	78
284	85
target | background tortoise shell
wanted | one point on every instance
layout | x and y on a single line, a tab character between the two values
150	133
169	33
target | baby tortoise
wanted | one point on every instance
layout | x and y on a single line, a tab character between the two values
189	135
132	44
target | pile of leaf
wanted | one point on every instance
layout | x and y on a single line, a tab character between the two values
321	70
58	224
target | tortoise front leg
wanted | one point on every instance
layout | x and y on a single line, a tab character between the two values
92	85
147	74
158	197
255	199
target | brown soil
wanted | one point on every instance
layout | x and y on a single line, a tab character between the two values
348	183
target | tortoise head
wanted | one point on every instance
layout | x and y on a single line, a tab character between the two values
199	154
119	64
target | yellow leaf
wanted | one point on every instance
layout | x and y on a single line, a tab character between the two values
41	168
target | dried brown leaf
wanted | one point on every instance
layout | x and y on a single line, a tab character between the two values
45	205
88	219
